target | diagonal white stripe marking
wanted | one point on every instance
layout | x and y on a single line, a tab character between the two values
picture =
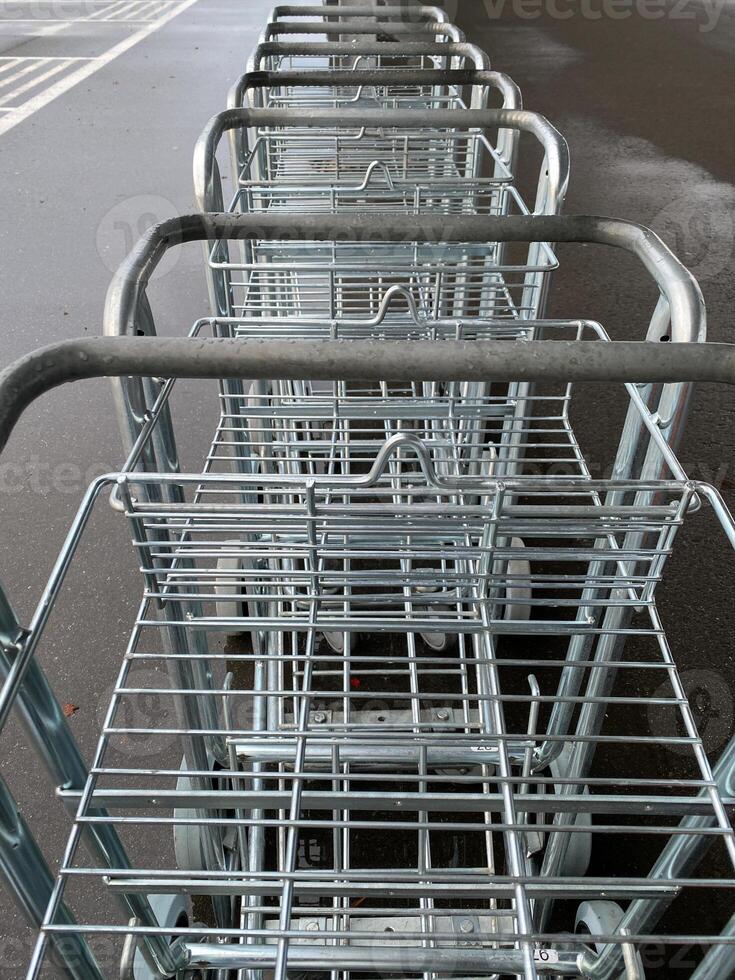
89	68
14	93
10	64
105	11
21	73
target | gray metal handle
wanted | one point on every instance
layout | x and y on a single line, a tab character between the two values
279	28
389	49
677	285
407	14
206	186
575	361
254	81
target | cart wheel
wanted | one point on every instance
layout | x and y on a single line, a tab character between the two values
517	609
519	596
171	911
579	849
602	918
336	641
440	642
188	844
228	608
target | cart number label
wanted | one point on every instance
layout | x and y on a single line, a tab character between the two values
545	956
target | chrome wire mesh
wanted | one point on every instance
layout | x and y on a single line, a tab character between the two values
339	428
350	280
394	790
387	688
423	798
343	96
386	170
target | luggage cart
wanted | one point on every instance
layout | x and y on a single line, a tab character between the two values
358	29
368	88
303	426
367	162
412	15
388	813
364	55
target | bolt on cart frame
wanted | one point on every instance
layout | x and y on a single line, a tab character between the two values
427	910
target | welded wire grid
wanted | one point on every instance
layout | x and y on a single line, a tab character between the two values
418	801
339	428
382	96
338	280
374	169
384	171
351	96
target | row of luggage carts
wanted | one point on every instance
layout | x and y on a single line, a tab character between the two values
398	625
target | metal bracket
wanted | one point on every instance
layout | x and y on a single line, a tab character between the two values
12	633
130	947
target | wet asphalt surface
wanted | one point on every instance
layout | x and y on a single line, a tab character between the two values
648	108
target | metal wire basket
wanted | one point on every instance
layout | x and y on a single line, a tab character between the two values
296	60
330	13
388	161
386	88
398	810
679	314
304	426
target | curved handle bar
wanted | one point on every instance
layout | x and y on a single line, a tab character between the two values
254	80
184	357
676	283
407	14
556	150
390	49
279	28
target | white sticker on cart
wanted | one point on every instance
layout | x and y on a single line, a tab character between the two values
545	956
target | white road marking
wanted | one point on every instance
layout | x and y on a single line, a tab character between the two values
49	57
11	63
35	64
56	68
116	12
87	67
127	10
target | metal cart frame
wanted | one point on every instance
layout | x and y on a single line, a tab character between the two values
703	817
352	56
418	14
386	169
439	31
